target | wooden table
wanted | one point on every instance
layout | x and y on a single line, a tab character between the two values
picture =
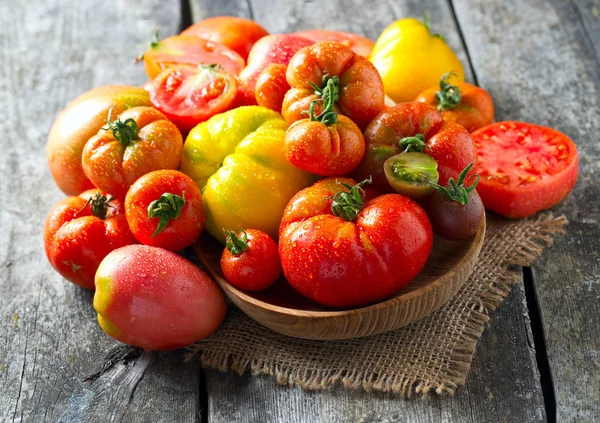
539	358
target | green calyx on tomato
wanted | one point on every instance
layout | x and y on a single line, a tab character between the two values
411	174
99	205
457	191
124	132
347	205
329	93
449	95
415	144
427	24
167	207
154	43
235	244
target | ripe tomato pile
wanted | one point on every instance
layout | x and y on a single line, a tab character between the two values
320	155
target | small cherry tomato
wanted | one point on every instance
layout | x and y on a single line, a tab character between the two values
138	141
524	168
341	250
411	174
80	231
250	260
357	43
271	87
325	144
455	211
466	104
238	34
164	209
360	97
188	95
155	299
189	50
448	143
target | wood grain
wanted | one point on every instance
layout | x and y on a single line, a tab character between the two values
539	60
285	311
53	50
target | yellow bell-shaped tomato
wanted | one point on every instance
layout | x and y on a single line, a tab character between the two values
410	59
237	160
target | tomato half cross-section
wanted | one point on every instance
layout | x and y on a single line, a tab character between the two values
342	250
524	168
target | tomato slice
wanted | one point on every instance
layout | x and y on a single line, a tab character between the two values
188	95
411	173
192	50
524	168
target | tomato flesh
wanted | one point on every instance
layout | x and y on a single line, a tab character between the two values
524	168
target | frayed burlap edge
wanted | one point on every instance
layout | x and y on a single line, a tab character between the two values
455	371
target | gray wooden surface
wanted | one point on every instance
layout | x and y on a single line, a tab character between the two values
538	59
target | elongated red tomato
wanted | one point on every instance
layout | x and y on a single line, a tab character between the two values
524	168
188	95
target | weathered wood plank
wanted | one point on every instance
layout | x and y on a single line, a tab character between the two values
540	62
504	382
51	51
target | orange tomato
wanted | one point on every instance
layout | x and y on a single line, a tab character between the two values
271	87
357	43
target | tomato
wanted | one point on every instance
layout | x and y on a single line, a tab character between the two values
81	120
272	49
411	59
361	95
238	161
189	50
357	43
80	231
400	126
154	299
524	168
250	260
138	141
466	104
164	209
188	95
411	173
271	87
455	211
341	252
325	144
238	34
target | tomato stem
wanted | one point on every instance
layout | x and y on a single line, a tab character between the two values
99	205
329	93
415	144
154	43
449	95
427	25
456	190
167	207
124	132
236	244
348	204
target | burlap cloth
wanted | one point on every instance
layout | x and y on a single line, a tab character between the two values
432	354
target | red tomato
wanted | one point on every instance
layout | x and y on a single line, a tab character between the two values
463	103
188	95
164	209
357	43
341	252
189	50
524	168
251	260
138	141
361	95
271	87
238	34
80	231
447	142
154	299
272	49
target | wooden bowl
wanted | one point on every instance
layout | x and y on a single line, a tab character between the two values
284	310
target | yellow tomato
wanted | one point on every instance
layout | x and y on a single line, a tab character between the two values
237	159
410	59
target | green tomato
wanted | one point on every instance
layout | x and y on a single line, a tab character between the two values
411	174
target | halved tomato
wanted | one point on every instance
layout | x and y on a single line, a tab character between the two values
192	50
357	43
188	95
523	168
